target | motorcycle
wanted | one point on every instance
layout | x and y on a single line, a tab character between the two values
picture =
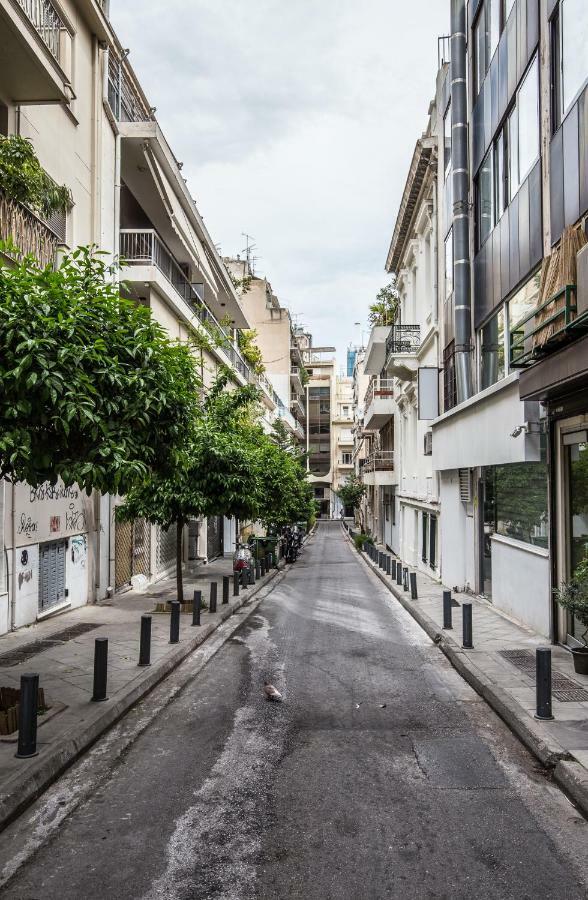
242	560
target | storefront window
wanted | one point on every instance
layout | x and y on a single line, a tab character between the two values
519	493
492	351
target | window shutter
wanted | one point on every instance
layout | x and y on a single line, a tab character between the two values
465	485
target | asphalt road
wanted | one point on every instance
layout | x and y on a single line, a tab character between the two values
380	775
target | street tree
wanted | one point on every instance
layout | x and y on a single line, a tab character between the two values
91	389
287	496
352	493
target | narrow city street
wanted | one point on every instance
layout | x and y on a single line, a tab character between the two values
381	774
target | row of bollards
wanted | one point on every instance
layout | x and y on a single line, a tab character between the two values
29	684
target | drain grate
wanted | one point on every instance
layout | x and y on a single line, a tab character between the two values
21	654
563	688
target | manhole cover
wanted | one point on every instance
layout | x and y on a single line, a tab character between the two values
563	688
21	654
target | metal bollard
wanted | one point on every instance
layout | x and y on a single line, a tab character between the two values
244	579
405	578
257	569
447	611
213	597
100	669
196	604
27	716
174	622
413	586
145	642
468	639
226	583
252	574
399	572
382	560
393	569
235	584
543	682
388	564
262	565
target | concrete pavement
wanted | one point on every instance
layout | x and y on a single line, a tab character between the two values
382	774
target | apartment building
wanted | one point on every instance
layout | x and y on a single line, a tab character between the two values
342	427
321	403
510	441
67	84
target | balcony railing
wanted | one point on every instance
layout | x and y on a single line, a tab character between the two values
47	23
546	328
124	100
403	339
379	388
443	50
379	461
27	234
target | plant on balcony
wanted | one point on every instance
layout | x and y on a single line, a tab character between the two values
241	285
250	351
383	310
216	473
23	179
573	597
304	376
91	388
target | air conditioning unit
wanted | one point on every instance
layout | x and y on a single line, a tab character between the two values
428	448
465	485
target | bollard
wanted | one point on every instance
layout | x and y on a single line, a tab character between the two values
268	562
388	565
382	560
393	569
447	611
27	716
213	595
543	682
145	642
405	578
174	622
399	572
257	569
413	586
252	573
276	560
196	604
244	579
468	640
100	669
226	582
262	565
235	584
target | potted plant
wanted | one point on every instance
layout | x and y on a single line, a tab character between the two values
573	596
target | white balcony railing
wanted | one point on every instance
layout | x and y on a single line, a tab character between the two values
124	99
47	23
379	461
379	387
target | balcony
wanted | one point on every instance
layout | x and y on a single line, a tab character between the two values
402	345
297	406
29	235
378	469
547	328
124	98
296	379
375	352
379	403
34	50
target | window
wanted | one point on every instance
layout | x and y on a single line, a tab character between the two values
449	264
433	542
447	140
485	199
569	59
449	379
511	158
492	367
425	551
488	27
520	501
346	459
345	412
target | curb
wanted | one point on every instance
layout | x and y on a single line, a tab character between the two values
569	773
26	786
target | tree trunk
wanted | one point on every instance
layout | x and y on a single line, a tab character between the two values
179	579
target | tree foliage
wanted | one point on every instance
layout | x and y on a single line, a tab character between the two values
91	389
251	352
22	178
352	492
383	310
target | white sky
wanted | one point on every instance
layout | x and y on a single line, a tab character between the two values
296	121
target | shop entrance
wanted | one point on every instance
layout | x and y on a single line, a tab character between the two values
573	511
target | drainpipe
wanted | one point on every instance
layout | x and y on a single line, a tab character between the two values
461	221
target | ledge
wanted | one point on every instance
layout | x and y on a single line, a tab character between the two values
543	552
497	388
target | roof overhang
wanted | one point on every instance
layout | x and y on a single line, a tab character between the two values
423	157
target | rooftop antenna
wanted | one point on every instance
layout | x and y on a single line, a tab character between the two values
249	248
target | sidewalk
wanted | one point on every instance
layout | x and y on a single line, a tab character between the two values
506	679
65	666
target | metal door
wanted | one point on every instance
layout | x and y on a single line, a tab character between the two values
132	551
215	527
51	574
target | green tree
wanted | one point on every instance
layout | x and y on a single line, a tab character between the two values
286	496
91	389
251	352
215	473
22	178
383	310
352	493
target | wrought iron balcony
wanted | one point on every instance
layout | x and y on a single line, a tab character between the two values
47	23
26	233
404	340
124	99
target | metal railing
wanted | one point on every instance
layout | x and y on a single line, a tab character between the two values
26	234
443	50
124	99
379	461
143	246
296	400
379	388
47	23
403	339
559	318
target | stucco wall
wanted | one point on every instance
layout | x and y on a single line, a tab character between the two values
521	582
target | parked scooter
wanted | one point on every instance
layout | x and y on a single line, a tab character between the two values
242	559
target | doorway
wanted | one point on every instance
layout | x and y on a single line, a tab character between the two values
51	574
572	511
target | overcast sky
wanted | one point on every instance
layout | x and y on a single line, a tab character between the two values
296	122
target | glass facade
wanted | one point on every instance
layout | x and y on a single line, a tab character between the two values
319	426
516	501
492	367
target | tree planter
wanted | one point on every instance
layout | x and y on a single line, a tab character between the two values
580	657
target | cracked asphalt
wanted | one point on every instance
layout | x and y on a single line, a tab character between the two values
382	774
